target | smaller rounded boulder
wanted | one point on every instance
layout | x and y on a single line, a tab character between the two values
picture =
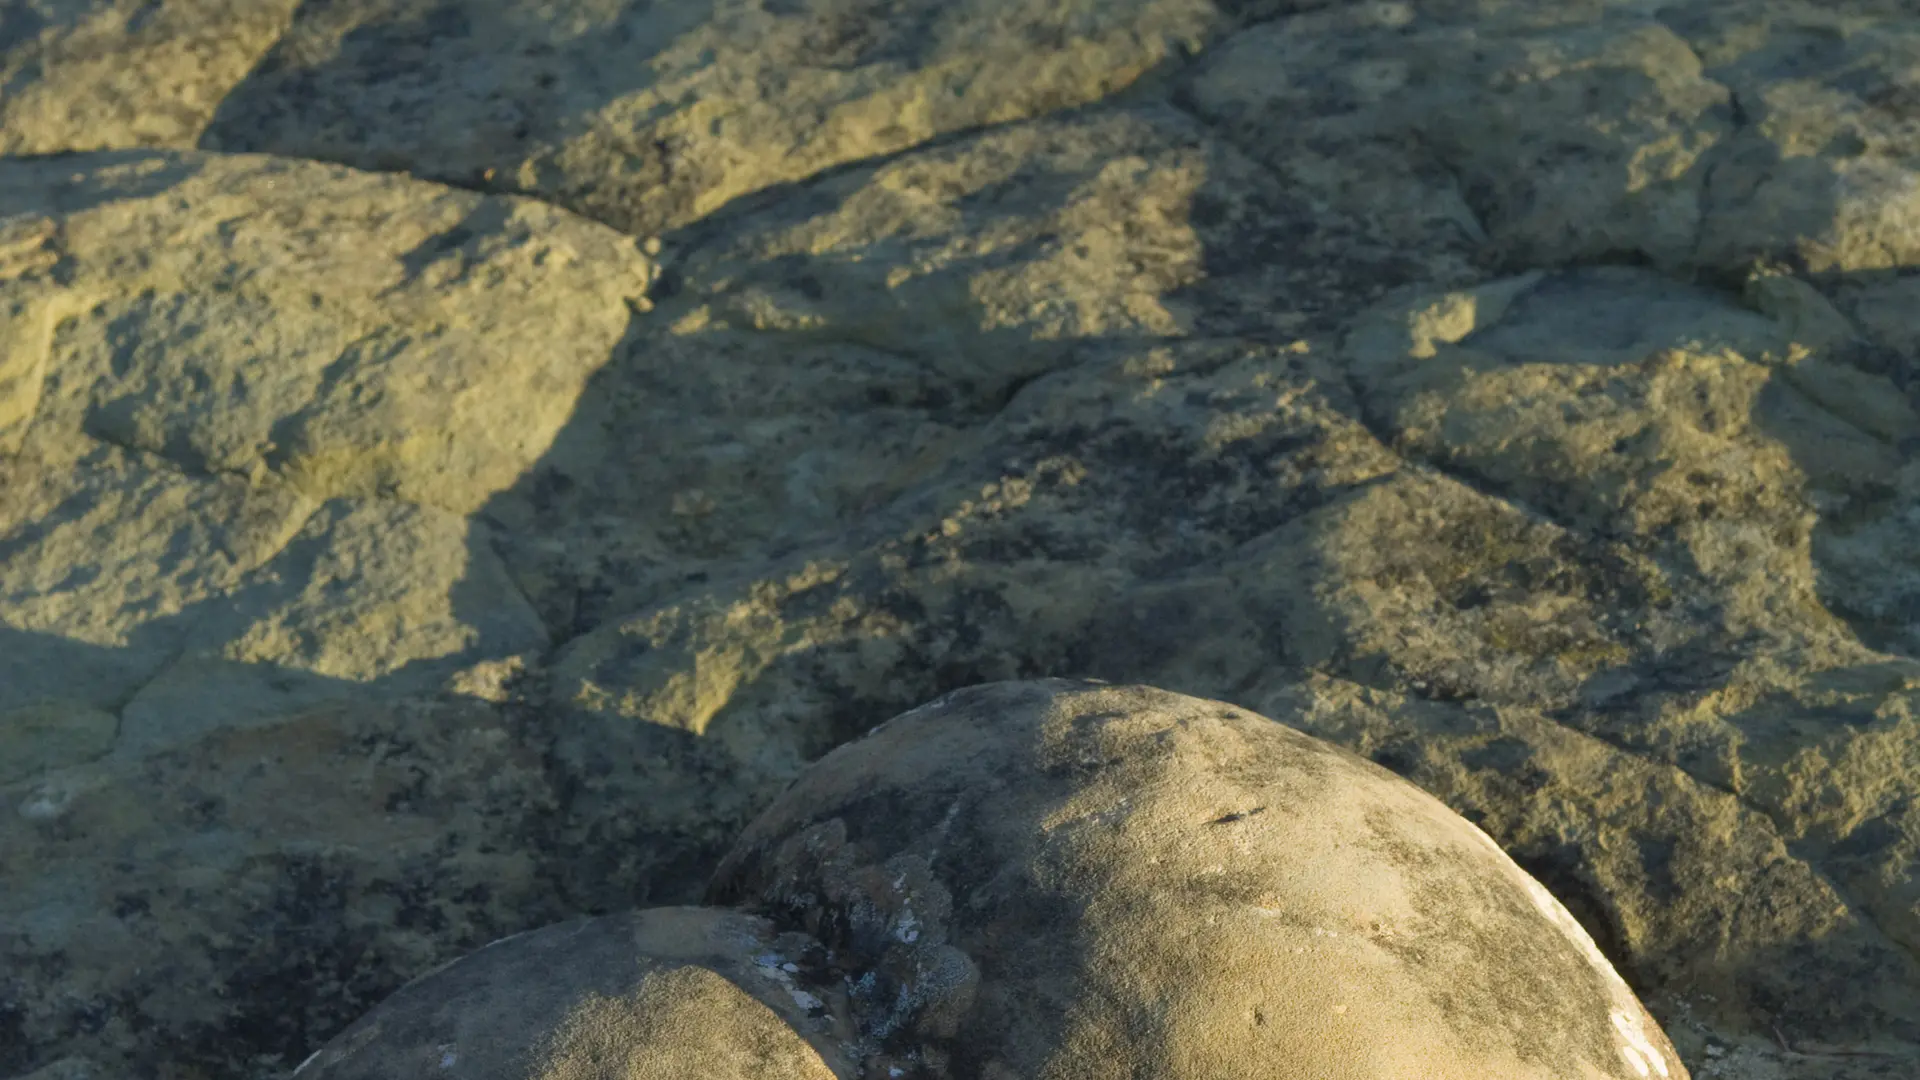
1058	880
660	994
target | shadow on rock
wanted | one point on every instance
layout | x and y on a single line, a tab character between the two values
1116	393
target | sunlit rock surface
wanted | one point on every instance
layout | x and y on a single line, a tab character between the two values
459	462
1055	878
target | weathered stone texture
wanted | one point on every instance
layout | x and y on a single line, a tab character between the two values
1521	393
1060	879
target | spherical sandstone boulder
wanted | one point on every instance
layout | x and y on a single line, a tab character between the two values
663	994
1060	880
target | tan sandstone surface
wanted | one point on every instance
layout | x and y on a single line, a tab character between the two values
1057	879
459	461
1063	879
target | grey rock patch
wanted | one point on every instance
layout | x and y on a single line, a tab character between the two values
660	993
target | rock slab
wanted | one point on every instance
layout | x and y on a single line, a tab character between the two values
535	431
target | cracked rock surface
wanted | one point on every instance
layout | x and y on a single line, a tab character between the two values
1056	878
459	462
